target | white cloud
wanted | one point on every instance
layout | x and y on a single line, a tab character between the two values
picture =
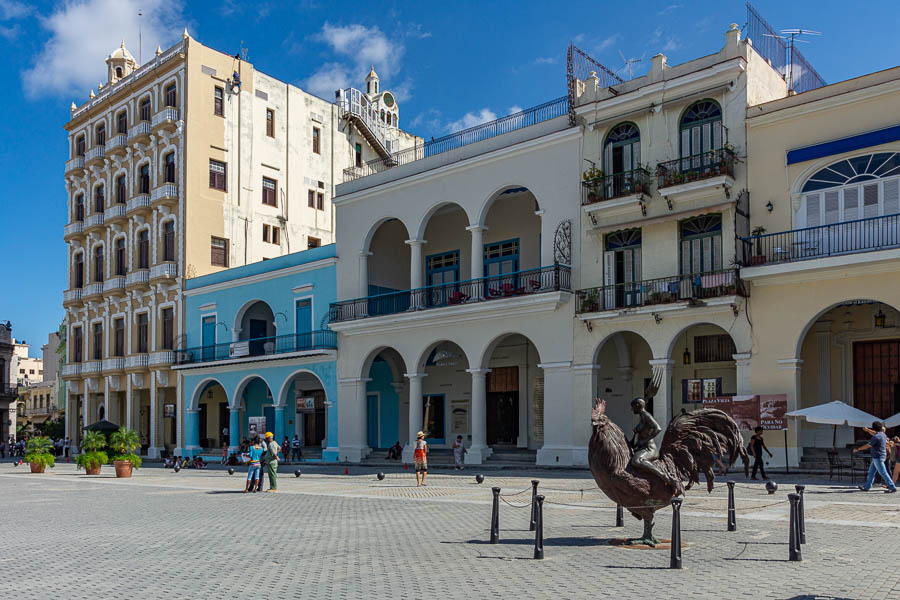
544	60
10	33
470	119
515	108
669	8
84	32
359	47
606	43
670	45
11	9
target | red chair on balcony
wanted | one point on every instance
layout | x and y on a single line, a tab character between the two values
457	298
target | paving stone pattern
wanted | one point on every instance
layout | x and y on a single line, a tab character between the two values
329	535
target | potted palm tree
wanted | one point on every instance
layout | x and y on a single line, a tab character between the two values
759	257
38	454
93	456
123	444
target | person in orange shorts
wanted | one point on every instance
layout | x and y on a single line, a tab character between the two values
420	459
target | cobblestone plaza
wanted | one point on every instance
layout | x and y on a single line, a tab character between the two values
328	535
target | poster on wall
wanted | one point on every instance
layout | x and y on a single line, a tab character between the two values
256	426
168	411
749	412
306	404
745	412
772	408
695	391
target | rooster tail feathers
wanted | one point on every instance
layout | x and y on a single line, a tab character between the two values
692	439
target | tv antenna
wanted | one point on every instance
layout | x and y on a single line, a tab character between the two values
791	37
628	63
140	38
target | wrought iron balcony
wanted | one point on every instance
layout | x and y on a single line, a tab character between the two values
699	167
267	346
137	277
663	290
532	116
95	153
9	391
140	129
73	229
75	164
509	285
848	237
141	201
167	116
166	270
616	185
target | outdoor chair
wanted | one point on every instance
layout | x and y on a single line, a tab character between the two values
835	464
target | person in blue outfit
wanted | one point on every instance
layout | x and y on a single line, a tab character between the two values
255	453
877	447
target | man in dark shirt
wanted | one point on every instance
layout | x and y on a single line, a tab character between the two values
877	447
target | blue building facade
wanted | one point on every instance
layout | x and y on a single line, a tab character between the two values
258	356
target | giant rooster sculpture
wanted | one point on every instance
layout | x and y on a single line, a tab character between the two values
643	483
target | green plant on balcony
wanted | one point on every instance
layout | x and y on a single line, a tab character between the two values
591	301
758	257
38	454
93	456
678	177
593	177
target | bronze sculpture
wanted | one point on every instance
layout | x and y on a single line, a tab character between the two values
647	481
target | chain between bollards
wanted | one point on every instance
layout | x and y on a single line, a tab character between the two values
732	524
539	528
495	517
620	519
802	516
675	556
794	537
534	486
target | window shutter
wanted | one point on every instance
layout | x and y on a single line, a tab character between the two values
706	137
685	257
607	159
626	158
851	205
685	142
813	211
696	253
609	279
870	200
717	134
892	197
629	265
636	155
717	253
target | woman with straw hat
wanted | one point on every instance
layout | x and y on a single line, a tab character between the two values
419	458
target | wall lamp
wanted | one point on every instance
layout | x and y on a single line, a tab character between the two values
769	206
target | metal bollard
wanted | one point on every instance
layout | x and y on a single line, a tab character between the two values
675	556
802	516
732	524
539	529
495	517
794	538
620	519
534	486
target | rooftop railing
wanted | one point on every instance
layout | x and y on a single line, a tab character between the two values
848	237
526	118
662	290
265	346
695	168
508	285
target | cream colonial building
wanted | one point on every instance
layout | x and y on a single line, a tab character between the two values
824	277
186	165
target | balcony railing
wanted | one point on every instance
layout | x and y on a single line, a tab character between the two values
849	237
164	270
73	228
116	142
114	284
616	185
166	115
114	212
71	370
138	202
75	163
92	289
91	367
509	285
695	168
94	220
136	361
137	277
72	295
281	344
97	152
664	290
9	390
113	364
161	358
168	191
139	129
532	116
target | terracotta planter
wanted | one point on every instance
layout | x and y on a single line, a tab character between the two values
93	469
36	468
123	468
757	259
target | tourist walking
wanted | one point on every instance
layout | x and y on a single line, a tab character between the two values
255	454
877	447
270	459
756	447
459	450
420	458
296	452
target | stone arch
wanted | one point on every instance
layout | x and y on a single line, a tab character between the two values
488	351
281	399
822	310
428	214
426	353
237	397
678	337
495	194
817	165
202	387
367	241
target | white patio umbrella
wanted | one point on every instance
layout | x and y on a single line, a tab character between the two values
834	413
892	421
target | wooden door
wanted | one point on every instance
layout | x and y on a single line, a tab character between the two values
876	377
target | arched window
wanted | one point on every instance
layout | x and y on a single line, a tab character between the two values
121	189
622	150
79	207
143	248
121	259
853	188
79	145
171	98
145	109
701	128
170	167
622	268
122	122
382	115
169	241
99	200
144	179
98	264
118	71
389	118
101	134
78	267
701	244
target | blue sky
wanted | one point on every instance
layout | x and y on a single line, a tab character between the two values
451	64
